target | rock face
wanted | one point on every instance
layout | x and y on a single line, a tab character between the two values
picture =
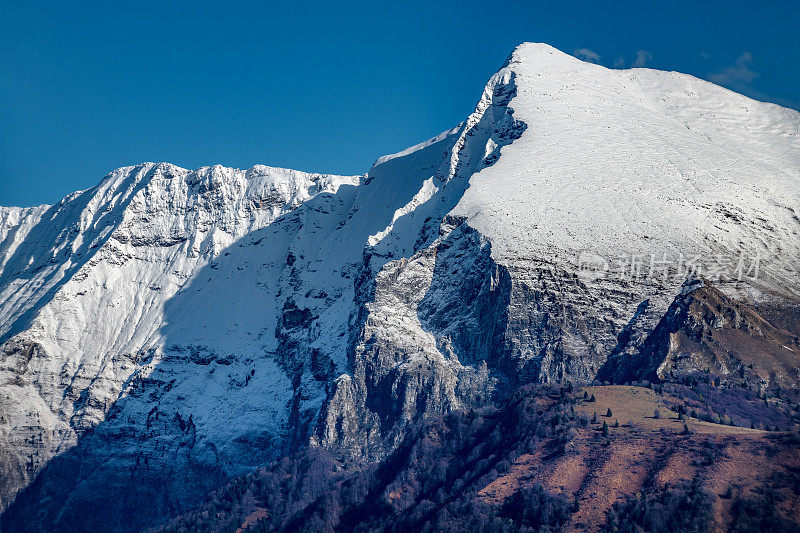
168	329
429	328
704	331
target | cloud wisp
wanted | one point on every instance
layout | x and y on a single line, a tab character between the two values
586	55
738	73
642	57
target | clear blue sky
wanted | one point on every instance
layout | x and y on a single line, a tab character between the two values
86	87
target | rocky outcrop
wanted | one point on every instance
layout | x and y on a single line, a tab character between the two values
431	326
706	332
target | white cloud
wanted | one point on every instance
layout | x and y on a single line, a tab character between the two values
739	72
642	57
620	62
586	55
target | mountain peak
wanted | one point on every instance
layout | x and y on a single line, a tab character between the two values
538	54
539	48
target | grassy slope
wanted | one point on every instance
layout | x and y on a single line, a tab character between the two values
537	462
645	453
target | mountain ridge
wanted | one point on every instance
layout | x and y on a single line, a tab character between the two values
209	321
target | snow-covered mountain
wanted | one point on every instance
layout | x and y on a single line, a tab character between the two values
169	328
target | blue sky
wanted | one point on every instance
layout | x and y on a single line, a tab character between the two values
87	87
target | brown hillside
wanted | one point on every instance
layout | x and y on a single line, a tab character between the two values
645	453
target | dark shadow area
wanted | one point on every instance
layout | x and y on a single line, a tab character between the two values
467	306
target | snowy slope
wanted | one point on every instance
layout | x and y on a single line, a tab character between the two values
85	298
642	162
169	328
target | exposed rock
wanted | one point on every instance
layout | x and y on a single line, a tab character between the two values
705	331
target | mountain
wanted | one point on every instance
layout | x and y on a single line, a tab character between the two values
167	329
544	459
